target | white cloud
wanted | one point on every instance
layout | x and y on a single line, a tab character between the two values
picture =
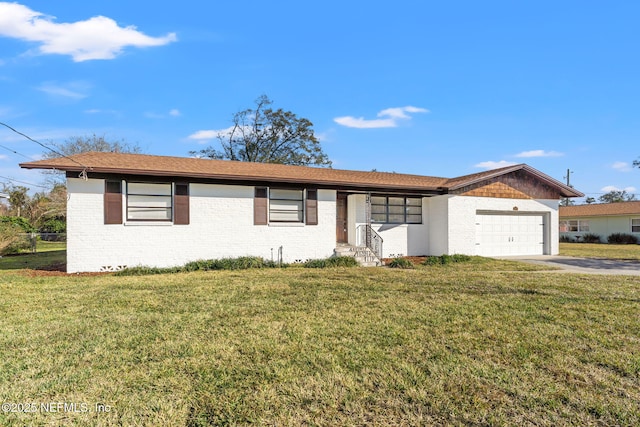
609	188
3	157
362	123
204	136
622	166
494	165
539	153
388	118
73	90
172	113
98	37
114	113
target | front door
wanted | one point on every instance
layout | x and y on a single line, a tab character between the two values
341	219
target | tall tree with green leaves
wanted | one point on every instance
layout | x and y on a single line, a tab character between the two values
265	135
616	196
18	199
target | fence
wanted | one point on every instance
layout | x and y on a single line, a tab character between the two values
29	241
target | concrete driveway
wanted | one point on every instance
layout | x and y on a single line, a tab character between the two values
583	265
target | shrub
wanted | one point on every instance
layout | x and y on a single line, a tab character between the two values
54	225
21	222
446	259
10	238
565	239
23	244
146	271
400	263
622	238
590	238
340	261
240	263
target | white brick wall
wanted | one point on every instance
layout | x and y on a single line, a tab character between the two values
221	225
398	239
438	213
448	224
462	210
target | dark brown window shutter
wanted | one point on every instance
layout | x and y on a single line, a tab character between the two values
260	206
312	207
112	202
181	204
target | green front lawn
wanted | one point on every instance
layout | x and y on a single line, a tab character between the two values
600	250
454	344
38	261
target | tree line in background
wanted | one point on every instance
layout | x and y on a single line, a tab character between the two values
44	212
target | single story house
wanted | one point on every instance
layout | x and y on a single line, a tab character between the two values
131	209
602	219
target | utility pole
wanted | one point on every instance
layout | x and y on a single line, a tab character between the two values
568	178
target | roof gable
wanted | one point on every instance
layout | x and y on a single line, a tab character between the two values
517	181
225	170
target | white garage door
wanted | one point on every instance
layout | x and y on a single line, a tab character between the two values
500	234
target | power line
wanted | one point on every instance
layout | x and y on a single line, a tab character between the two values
44	146
23	182
15	152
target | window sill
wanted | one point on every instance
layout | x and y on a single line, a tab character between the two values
373	224
148	223
286	224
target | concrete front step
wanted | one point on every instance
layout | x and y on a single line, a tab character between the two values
364	255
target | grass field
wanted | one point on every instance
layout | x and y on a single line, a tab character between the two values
484	343
47	254
596	250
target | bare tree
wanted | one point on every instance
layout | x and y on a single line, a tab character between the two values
83	144
268	136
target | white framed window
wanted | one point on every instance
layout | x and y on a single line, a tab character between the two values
148	201
574	225
396	209
635	225
286	205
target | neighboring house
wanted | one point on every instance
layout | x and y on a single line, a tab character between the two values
132	209
601	219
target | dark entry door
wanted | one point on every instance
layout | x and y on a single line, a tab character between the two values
341	219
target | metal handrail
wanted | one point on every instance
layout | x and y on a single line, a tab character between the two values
368	237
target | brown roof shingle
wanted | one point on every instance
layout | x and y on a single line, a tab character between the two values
600	209
142	164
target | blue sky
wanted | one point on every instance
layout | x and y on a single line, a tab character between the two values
425	87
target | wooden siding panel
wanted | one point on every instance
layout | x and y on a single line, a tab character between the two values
518	184
497	190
